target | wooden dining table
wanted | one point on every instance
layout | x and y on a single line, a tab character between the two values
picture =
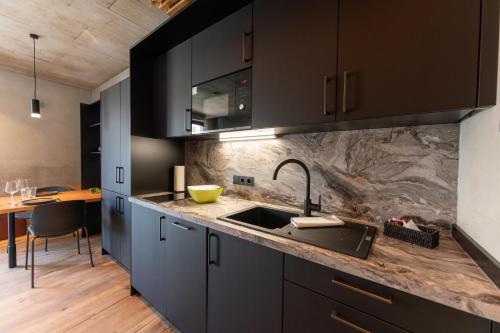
7	208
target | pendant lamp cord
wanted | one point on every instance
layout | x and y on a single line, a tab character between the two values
34	64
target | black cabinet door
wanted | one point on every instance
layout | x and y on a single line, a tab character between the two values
111	223
148	255
125	231
245	283
125	144
110	138
407	57
224	47
178	90
186	273
295	62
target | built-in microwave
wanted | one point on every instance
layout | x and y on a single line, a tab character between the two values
223	104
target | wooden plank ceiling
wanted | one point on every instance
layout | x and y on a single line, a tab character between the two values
82	43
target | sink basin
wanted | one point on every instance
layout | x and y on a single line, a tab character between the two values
263	217
354	239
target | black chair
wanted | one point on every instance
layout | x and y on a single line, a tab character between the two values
27	215
53	220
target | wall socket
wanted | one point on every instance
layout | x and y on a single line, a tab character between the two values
243	180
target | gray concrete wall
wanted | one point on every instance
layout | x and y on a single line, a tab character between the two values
46	150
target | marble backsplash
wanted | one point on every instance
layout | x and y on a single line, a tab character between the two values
376	173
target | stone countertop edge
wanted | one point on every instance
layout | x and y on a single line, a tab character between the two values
445	275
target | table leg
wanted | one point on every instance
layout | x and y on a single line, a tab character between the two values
12	239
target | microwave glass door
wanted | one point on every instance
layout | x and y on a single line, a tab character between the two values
223	104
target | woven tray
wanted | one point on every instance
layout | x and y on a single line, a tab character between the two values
427	237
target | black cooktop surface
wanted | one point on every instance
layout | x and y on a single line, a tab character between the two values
166	197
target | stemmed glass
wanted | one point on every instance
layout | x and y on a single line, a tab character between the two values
12	187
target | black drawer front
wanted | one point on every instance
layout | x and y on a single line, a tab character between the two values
404	310
307	311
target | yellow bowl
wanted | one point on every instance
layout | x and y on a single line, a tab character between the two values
205	193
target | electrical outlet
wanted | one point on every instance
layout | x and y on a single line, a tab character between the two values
243	180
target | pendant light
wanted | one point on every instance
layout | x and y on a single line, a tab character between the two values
35	103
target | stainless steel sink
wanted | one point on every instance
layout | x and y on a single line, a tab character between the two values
353	239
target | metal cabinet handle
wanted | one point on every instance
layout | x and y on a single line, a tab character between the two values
120	205
117	176
361	291
326	79
211	250
188	120
162	218
122	175
180	226
117	205
335	316
344	92
245	38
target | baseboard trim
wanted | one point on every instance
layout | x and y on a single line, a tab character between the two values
483	259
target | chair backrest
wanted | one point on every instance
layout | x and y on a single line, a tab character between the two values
57	218
54	188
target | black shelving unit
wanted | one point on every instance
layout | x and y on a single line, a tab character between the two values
90	131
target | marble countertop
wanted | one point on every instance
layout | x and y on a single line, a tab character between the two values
444	275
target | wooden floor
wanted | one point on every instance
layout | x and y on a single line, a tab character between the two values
69	295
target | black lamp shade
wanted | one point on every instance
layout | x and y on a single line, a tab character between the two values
35	108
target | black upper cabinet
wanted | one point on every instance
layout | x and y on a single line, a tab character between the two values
224	47
178	90
407	57
115	138
245	283
125	138
186	275
295	62
110	138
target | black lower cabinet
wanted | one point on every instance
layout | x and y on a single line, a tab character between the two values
245	283
307	311
496	327
115	226
148	255
186	275
392	306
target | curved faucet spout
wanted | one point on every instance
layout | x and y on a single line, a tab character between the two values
306	170
308	205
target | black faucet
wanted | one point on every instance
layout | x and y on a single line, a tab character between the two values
308	205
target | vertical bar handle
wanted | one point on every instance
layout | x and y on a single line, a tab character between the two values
117	175
326	79
121	177
211	252
162	218
188	119
245	48
117	205
344	92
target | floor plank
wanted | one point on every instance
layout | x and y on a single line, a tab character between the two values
70	295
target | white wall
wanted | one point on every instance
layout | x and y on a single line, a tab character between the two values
46	150
96	93
478	211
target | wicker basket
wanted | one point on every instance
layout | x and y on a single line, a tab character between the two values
427	237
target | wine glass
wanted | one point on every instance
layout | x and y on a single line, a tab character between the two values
11	187
22	183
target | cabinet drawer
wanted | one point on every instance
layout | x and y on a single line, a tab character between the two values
307	311
391	305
